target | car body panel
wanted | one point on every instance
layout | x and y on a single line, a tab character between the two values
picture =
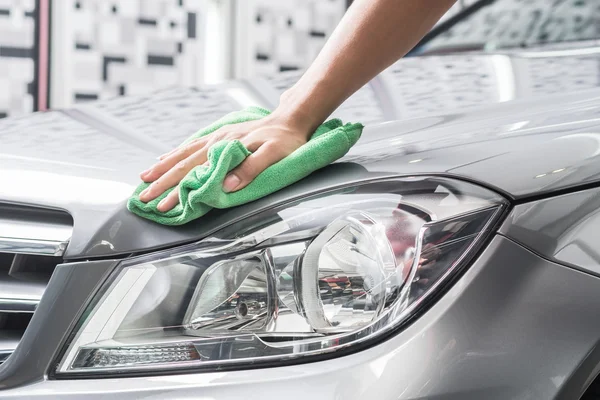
69	290
474	342
528	142
520	323
564	229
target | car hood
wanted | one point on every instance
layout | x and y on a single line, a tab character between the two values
515	135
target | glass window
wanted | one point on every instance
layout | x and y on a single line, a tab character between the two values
521	23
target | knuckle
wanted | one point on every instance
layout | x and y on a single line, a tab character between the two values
273	147
251	143
223	131
181	152
153	188
162	167
236	135
181	166
153	169
248	170
174	195
204	151
226	135
274	151
195	145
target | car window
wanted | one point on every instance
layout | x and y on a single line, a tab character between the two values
522	23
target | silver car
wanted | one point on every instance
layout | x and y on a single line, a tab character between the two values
454	253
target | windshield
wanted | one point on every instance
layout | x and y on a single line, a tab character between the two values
502	24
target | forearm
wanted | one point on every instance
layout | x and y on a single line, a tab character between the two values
372	35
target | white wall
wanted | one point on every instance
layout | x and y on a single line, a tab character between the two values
104	48
16	56
100	49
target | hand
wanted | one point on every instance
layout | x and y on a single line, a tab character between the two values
270	139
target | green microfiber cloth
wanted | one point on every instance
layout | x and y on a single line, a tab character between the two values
202	188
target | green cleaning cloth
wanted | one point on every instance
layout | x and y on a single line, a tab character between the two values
202	188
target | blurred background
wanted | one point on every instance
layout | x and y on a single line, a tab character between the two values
56	53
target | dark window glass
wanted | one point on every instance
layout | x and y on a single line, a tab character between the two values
522	23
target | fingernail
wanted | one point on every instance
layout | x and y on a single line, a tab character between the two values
145	172
231	182
143	193
161	204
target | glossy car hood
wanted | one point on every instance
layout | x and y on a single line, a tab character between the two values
86	160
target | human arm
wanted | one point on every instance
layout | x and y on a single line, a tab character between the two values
371	36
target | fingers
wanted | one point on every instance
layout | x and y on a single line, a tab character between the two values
252	144
167	181
170	161
170	201
174	175
175	165
167	154
253	165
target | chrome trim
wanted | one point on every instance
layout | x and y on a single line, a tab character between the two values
17	296
27	231
32	246
17	306
24	233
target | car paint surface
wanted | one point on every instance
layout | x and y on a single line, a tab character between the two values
468	345
87	161
474	342
564	229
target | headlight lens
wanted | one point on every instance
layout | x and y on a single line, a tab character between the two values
317	275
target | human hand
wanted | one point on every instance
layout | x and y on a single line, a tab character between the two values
270	139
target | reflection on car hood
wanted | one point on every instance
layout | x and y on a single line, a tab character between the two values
525	123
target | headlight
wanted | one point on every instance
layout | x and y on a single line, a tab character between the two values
321	274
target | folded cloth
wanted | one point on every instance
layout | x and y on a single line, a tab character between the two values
202	188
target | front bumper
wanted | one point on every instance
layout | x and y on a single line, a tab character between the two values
514	326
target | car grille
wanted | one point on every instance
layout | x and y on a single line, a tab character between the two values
32	242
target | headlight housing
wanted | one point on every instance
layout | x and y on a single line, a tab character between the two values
318	275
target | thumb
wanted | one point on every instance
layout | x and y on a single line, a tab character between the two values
251	167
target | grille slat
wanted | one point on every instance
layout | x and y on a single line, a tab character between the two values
31	242
8	343
28	230
18	295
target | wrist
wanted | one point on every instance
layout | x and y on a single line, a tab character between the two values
293	119
301	109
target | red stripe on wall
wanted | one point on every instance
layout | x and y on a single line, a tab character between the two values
44	19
